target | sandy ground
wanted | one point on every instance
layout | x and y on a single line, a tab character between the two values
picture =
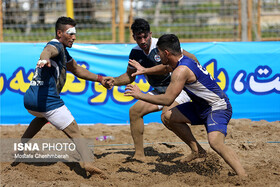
256	143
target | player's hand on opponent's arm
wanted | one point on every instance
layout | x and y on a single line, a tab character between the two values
140	69
133	90
108	82
41	63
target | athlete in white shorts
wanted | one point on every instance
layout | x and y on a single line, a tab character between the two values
60	117
42	98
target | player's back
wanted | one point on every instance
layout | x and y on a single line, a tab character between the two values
204	90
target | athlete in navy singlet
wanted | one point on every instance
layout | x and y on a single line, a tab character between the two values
145	55
158	82
42	99
47	82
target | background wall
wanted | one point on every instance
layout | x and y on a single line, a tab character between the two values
247	71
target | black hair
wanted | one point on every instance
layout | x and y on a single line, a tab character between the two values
169	42
62	21
140	26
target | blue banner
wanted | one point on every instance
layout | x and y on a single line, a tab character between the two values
248	72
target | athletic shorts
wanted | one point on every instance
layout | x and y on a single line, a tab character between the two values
60	117
182	97
216	120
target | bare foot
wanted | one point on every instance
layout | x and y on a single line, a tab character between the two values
91	169
242	175
94	170
134	159
139	157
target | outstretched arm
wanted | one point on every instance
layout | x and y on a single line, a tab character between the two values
155	70
178	80
83	73
123	79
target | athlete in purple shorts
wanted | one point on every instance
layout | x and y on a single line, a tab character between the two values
209	104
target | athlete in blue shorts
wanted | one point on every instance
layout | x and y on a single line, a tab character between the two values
42	98
209	104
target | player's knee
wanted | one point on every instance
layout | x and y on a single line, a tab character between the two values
72	130
165	118
215	144
135	112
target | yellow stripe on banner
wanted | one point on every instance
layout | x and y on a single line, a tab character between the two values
69	8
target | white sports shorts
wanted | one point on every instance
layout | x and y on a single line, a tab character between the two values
60	117
182	97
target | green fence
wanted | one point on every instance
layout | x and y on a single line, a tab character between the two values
108	21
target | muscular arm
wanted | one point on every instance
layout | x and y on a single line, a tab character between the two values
155	70
179	77
158	70
125	78
81	72
48	52
163	69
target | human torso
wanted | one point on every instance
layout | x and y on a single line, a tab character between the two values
150	60
204	91
47	82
